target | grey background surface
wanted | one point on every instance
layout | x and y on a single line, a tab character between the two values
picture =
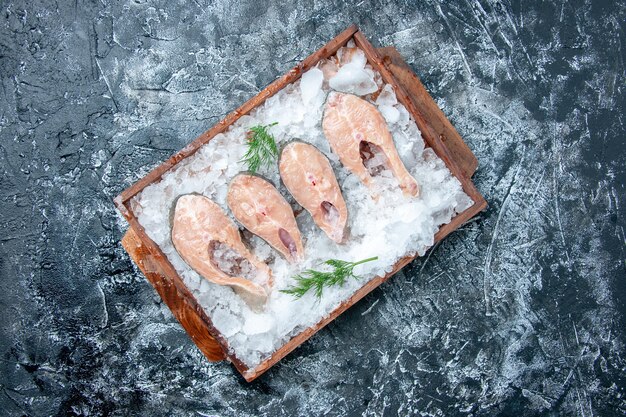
521	312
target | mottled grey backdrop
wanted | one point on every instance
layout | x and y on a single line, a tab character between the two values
521	312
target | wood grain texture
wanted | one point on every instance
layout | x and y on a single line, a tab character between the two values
177	303
438	135
426	105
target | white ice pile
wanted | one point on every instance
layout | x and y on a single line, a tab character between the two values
390	228
386	103
355	76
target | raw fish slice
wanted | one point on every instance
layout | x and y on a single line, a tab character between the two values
210	243
259	206
308	176
358	134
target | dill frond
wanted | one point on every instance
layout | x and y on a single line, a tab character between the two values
317	280
262	148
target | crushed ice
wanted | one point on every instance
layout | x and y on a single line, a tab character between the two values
402	225
354	77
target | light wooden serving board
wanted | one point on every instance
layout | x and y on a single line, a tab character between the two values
187	314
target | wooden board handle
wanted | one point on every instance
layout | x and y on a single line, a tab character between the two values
183	312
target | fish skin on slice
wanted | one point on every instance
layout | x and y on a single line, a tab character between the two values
258	205
351	126
199	227
308	176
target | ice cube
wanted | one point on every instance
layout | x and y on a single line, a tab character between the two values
390	113
224	321
387	96
311	84
258	323
353	79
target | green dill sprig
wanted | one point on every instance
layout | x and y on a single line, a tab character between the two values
317	280
262	148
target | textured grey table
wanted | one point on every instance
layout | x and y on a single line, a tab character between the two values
521	312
